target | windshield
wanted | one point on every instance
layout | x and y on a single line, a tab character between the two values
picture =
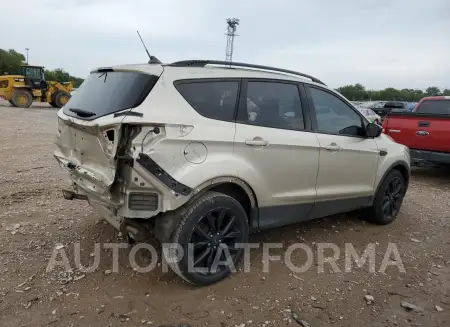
103	93
33	73
440	107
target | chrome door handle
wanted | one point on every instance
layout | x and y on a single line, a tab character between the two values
422	133
256	142
333	147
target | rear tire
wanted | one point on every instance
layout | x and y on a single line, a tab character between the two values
388	200
22	98
60	99
53	104
211	224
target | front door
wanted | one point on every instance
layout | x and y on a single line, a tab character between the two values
348	160
279	155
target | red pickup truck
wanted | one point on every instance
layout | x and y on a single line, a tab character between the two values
425	130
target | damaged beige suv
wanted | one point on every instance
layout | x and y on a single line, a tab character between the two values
203	153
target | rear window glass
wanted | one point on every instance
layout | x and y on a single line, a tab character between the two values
441	107
212	99
108	92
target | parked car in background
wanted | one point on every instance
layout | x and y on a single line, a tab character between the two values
411	105
391	106
374	105
357	103
370	115
425	130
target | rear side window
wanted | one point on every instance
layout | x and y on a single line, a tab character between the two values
273	104
212	99
108	92
440	107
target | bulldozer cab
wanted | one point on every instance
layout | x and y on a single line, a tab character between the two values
34	76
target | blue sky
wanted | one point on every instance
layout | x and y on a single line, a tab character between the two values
378	43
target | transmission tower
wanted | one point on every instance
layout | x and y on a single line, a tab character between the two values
231	33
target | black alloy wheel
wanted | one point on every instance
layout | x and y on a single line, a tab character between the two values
216	231
388	200
393	197
208	231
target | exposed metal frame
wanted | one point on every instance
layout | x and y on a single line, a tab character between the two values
203	63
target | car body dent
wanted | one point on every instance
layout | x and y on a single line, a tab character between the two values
87	154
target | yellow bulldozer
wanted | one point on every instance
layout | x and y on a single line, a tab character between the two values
22	90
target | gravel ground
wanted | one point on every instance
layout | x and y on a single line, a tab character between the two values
34	219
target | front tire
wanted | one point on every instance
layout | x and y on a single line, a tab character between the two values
388	199
61	98
208	230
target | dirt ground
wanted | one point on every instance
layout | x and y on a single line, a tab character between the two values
35	218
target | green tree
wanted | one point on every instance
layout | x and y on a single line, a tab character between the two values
358	92
10	61
355	92
433	91
60	75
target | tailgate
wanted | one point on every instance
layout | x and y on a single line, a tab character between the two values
89	125
419	131
87	152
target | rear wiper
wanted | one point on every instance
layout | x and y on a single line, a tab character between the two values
82	113
129	113
104	74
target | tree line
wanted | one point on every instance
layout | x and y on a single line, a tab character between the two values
358	92
11	60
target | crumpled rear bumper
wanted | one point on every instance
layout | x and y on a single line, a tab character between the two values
107	210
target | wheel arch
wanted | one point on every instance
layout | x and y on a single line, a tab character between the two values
402	167
237	189
165	223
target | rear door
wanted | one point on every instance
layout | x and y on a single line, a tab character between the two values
402	128
348	161
433	127
278	151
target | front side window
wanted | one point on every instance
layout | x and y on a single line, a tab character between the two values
273	104
212	99
334	116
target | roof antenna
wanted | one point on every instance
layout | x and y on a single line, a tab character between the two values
153	59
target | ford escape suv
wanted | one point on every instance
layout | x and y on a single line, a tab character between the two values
201	153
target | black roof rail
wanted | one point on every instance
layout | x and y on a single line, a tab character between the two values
203	63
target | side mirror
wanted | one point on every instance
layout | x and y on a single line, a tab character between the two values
373	130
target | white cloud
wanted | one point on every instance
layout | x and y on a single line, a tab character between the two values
379	43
